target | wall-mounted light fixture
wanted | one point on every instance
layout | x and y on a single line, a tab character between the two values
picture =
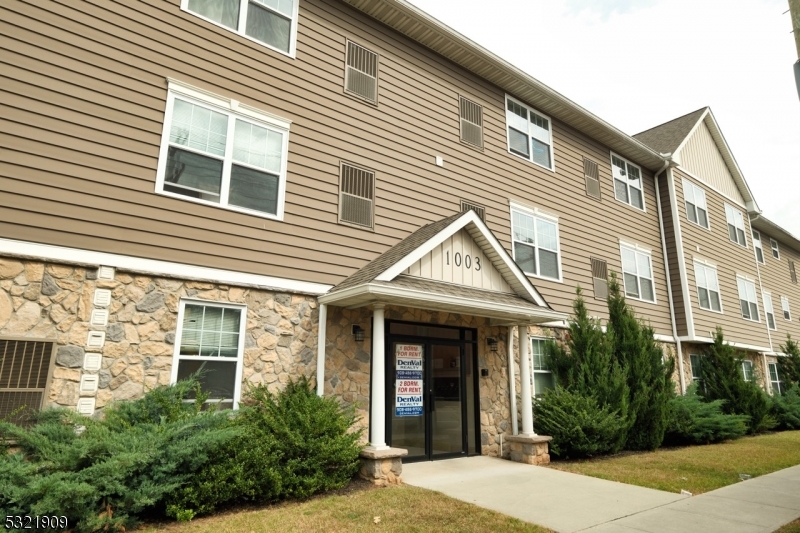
358	333
492	342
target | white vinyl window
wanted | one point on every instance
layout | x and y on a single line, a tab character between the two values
768	310
757	245
696	361
530	134
218	152
542	375
775	251
272	23
627	182
707	287
747	298
210	340
535	240
774	378
696	209
735	221
787	313
637	273
747	370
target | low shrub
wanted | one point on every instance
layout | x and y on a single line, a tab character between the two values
580	427
785	408
694	421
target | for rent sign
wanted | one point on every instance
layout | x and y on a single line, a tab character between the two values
408	380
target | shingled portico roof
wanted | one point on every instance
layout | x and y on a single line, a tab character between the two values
383	280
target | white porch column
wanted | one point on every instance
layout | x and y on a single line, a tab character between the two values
321	336
377	414
512	382
525	381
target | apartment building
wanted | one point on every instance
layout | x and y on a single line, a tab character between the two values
347	190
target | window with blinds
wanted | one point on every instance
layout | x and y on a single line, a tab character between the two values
600	278
26	368
356	196
592	176
361	72
471	122
480	210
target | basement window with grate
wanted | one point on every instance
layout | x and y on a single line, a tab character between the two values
356	196
471	115
361	72
26	368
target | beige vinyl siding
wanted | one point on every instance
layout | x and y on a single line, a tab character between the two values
84	100
776	280
701	157
730	258
673	256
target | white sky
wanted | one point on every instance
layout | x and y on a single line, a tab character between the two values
640	63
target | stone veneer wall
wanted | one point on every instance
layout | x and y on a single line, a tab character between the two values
55	301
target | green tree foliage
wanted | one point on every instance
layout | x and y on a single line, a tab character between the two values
785	408
722	373
649	376
587	367
789	366
694	421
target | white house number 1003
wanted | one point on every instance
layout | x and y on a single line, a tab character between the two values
466	260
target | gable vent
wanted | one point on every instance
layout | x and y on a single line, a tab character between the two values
471	122
792	272
25	370
600	278
361	72
480	210
591	174
356	196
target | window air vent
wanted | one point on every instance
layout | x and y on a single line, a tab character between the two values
361	72
590	172
356	196
480	210
25	371
600	278
471	122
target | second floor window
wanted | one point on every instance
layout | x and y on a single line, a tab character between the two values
707	287
535	241
768	310
529	133
637	273
696	210
627	182
747	298
735	225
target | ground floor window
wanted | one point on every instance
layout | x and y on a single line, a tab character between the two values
747	370
542	375
696	362
774	378
210	340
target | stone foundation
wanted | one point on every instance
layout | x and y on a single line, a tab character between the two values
529	450
382	467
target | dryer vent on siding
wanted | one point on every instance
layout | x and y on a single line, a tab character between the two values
25	369
361	72
480	210
590	172
600	278
356	196
471	122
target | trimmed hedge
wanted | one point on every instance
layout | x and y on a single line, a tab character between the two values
694	421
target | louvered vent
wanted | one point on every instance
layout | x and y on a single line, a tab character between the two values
471	122
361	72
591	174
792	272
24	373
480	210
600	278
356	196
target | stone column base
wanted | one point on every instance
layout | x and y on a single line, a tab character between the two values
382	467
532	450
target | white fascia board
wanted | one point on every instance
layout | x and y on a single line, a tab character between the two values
740	345
62	254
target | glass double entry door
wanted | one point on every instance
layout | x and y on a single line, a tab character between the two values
432	389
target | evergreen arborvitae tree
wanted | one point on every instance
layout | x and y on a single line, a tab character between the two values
649	377
789	366
722	373
587	366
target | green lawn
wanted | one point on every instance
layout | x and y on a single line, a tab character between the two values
396	509
794	527
697	469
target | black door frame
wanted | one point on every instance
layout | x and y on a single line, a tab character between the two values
427	342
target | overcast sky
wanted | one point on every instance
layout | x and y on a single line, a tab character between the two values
640	63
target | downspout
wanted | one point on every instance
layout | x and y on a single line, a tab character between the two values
321	334
512	382
687	303
669	281
767	383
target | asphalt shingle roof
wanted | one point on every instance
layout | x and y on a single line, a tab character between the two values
667	137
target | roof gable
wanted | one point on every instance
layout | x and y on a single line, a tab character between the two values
667	137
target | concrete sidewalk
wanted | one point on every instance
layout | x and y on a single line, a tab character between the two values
567	502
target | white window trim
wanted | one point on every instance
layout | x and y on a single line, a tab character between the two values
551	168
747	280
748	362
533	369
759	246
642	250
777	374
743	228
233	109
775	247
786	309
243	5
709	265
765	296
627	182
695	188
535	212
176	357
691	367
